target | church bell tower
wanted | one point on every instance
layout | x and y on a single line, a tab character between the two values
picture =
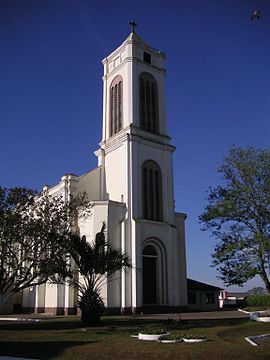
131	190
135	156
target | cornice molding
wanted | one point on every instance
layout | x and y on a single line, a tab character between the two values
137	135
135	60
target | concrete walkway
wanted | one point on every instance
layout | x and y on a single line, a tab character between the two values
211	315
13	358
221	314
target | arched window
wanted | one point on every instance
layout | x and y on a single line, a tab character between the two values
116	121
148	103
151	191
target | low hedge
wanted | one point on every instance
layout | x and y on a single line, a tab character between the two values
258	300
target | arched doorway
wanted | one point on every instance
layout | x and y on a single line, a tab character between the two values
153	274
149	275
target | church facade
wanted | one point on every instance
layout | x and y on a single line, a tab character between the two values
131	190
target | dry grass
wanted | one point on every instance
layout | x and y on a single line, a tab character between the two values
66	338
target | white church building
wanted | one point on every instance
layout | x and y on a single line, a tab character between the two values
131	190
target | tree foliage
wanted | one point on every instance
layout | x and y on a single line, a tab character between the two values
96	262
258	300
40	242
258	291
33	232
238	215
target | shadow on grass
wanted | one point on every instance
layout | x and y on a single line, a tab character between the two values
135	327
39	349
172	324
117	324
211	323
42	325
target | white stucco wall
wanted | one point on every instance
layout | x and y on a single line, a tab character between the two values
51	296
90	183
115	174
180	224
28	300
41	289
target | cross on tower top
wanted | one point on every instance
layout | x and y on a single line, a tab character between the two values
132	25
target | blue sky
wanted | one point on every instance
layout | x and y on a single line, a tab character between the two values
217	91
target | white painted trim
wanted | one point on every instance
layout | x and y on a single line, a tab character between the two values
252	339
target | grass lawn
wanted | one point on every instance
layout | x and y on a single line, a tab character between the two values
66	338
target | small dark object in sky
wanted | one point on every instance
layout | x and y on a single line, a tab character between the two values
255	15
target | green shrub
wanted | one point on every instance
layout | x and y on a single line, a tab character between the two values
193	336
153	331
170	337
92	306
258	300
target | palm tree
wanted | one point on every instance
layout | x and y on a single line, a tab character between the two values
95	261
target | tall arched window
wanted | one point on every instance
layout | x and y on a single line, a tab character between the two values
151	191
148	103
116	121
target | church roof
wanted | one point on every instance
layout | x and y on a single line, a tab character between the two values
237	295
136	38
197	285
